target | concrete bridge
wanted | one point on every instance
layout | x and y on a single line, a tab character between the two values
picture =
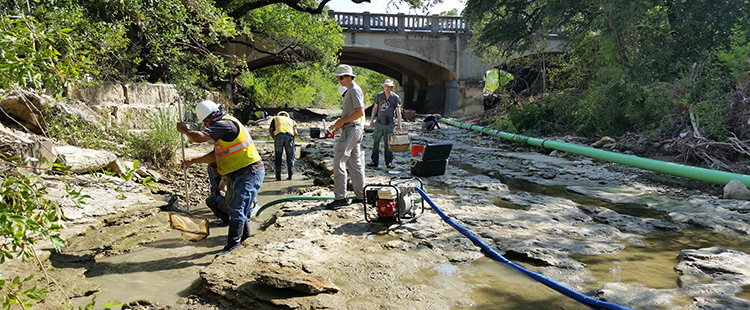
429	56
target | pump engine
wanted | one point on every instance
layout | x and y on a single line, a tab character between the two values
393	202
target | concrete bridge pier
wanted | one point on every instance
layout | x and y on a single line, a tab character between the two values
454	98
407	96
470	99
451	97
457	97
406	91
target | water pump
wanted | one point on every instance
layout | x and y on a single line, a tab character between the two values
396	201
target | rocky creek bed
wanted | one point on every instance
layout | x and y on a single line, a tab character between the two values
628	236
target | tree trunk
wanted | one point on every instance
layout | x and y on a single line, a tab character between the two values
616	36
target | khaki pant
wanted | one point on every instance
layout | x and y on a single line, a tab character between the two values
348	157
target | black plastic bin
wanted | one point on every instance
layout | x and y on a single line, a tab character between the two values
314	132
434	160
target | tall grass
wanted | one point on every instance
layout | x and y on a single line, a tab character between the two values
159	144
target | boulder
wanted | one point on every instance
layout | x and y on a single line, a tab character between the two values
293	279
119	167
144	172
141	94
10	135
715	262
736	190
168	93
25	107
83	160
105	92
603	142
43	151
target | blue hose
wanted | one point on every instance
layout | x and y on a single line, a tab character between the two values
592	302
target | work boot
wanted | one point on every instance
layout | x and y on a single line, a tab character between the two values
289	173
245	232
278	173
337	204
234	236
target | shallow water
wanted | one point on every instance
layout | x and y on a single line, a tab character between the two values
653	265
162	271
492	285
168	268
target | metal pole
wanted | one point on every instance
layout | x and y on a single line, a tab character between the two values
184	169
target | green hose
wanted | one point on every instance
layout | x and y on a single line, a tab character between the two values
701	174
257	211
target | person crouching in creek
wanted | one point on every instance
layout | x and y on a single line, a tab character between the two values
237	161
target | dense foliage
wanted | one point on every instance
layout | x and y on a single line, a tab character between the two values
53	44
299	86
50	45
26	217
659	66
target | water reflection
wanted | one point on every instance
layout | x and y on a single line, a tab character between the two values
494	285
653	265
168	268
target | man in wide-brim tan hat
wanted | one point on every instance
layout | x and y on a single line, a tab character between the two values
348	156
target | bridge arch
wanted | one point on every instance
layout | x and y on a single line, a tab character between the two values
429	56
420	81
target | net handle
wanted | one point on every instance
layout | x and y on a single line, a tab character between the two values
184	169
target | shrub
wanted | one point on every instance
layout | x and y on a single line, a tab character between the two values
159	144
77	131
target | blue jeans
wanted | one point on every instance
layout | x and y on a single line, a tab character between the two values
214	180
241	192
378	133
215	198
284	142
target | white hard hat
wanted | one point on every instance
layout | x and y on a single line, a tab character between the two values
342	90
205	108
283	113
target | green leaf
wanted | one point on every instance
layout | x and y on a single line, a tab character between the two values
19	219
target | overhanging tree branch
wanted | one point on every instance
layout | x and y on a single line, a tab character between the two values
294	4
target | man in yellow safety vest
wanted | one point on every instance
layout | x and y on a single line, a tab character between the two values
237	161
283	129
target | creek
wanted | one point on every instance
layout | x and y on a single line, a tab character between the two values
168	268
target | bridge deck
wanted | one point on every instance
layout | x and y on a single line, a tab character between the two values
399	23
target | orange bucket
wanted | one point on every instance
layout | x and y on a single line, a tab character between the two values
417	150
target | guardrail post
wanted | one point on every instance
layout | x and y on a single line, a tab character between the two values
435	20
401	22
366	21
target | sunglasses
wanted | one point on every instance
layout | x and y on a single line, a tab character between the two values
341	77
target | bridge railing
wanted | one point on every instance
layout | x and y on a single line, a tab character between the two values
399	23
